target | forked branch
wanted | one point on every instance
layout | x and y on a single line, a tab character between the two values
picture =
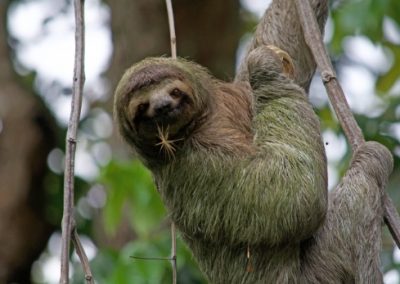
82	257
313	37
68	223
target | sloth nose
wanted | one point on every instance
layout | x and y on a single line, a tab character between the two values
162	106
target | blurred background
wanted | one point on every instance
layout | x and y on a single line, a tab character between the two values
118	211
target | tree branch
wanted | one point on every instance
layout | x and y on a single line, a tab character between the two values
173	253
280	27
171	28
314	41
82	257
68	227
346	119
392	218
173	55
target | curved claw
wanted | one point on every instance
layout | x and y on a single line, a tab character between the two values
287	62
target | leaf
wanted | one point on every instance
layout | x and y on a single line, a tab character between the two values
358	17
130	185
327	118
386	81
393	10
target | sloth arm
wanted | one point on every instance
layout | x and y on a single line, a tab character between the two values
290	167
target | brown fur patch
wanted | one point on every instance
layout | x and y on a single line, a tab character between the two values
228	126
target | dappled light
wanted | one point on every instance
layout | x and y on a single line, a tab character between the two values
118	210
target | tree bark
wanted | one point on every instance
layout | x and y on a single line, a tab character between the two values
26	137
207	32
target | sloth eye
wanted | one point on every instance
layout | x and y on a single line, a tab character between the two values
142	108
176	93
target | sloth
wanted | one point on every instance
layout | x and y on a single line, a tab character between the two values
241	166
242	170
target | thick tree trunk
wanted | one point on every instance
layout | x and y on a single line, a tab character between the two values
207	31
25	140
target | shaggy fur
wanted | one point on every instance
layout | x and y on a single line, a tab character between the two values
246	184
251	175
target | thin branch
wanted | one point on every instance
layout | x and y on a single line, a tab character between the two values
173	55
171	28
313	37
78	81
392	218
151	258
82	257
173	253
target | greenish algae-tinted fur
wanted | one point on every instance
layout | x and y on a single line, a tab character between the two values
246	184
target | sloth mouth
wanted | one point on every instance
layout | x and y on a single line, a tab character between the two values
168	115
173	118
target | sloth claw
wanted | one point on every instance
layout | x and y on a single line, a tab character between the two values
287	62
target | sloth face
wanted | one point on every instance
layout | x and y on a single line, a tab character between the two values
162	107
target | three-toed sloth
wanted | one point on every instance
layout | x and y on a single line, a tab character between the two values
241	168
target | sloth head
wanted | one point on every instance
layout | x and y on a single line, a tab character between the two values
158	104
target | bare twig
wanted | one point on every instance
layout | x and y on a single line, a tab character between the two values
78	81
173	253
313	37
171	28
173	55
82	257
151	258
392	218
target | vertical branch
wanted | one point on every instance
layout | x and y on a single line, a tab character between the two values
173	55
173	253
312	35
171	28
78	81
